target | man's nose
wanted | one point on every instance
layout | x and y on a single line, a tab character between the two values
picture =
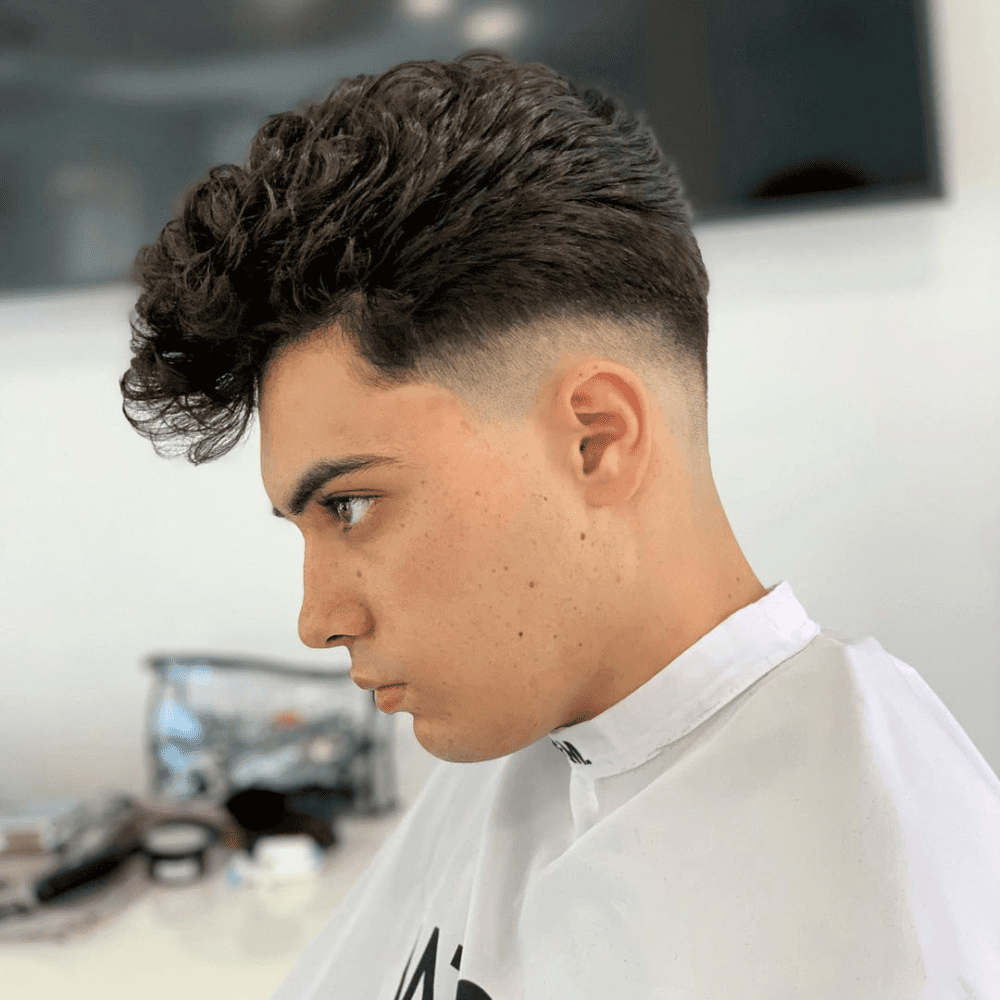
331	615
314	630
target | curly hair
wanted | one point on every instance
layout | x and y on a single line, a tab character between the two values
440	214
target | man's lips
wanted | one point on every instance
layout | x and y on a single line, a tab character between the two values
389	697
368	685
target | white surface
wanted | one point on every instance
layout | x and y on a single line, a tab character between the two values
210	939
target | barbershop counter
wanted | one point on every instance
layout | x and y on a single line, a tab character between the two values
212	938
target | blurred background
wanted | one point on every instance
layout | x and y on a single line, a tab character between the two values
111	110
843	160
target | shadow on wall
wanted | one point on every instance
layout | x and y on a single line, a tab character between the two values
813	177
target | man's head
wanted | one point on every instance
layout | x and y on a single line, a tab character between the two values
489	278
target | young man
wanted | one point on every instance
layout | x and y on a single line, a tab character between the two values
466	303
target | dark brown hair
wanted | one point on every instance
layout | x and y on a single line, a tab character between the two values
432	211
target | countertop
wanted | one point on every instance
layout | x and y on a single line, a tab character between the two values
208	939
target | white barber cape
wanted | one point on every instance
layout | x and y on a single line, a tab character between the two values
783	812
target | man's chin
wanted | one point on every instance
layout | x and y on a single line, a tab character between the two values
457	748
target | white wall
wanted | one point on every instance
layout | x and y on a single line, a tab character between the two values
854	422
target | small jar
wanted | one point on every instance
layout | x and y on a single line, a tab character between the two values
176	850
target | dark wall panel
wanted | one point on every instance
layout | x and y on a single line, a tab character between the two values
109	112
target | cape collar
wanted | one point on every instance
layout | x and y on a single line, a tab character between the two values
704	678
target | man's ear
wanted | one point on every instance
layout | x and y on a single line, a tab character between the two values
603	421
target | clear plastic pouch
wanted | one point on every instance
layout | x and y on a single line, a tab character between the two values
218	725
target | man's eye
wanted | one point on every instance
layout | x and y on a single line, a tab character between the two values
337	505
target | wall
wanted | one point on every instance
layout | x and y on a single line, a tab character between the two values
853	428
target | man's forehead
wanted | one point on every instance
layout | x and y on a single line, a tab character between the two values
316	365
314	409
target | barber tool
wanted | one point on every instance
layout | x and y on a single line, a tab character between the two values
94	852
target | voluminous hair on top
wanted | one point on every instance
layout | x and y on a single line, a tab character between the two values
437	213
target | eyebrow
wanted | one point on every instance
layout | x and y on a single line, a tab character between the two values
320	473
